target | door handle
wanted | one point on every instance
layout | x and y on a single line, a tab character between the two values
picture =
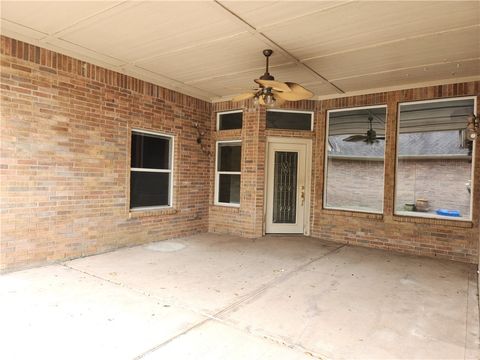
302	194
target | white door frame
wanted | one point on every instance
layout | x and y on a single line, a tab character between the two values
308	177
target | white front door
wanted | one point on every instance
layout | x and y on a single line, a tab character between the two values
286	187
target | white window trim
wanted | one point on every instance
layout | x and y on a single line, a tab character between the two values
227	112
428	215
170	171
312	117
218	173
325	206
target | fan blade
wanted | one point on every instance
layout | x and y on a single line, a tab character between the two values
275	85
278	100
243	97
380	138
299	89
354	138
298	92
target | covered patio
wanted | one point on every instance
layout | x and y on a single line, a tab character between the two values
221	297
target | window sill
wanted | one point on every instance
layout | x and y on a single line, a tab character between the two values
353	213
425	218
228	134
154	211
227	207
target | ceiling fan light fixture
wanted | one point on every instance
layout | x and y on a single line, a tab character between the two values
271	92
269	99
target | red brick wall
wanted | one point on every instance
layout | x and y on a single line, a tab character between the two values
431	237
65	166
65	157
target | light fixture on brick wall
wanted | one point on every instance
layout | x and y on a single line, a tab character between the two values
473	127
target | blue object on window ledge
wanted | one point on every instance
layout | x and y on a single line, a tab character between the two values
445	212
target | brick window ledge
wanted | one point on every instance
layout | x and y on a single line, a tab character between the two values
433	221
151	212
351	213
226	208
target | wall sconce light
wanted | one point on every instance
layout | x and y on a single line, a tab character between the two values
473	127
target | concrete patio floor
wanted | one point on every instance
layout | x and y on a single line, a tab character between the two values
223	297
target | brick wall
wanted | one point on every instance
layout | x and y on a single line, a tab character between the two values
65	133
65	157
430	237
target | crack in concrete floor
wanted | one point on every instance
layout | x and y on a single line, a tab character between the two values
218	315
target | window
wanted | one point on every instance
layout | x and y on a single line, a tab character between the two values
151	170
354	166
290	120
229	120
227	173
434	159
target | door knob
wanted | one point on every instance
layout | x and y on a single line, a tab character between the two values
302	194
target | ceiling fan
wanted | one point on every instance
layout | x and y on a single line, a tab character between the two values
370	137
271	92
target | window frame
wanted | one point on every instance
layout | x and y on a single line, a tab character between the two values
325	166
170	171
217	127
218	173
416	214
312	119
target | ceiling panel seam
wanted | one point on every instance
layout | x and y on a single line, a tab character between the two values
78	24
384	43
270	42
326	9
197	44
259	69
407	68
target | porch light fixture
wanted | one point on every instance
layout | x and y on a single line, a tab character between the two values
473	127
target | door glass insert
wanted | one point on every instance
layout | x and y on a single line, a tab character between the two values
285	187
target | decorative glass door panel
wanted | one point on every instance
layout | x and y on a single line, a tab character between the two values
286	193
285	187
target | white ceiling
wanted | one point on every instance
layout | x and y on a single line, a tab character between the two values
213	49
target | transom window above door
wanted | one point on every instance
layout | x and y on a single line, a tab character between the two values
289	119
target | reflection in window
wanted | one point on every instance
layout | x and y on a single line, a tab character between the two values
434	165
227	178
355	159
